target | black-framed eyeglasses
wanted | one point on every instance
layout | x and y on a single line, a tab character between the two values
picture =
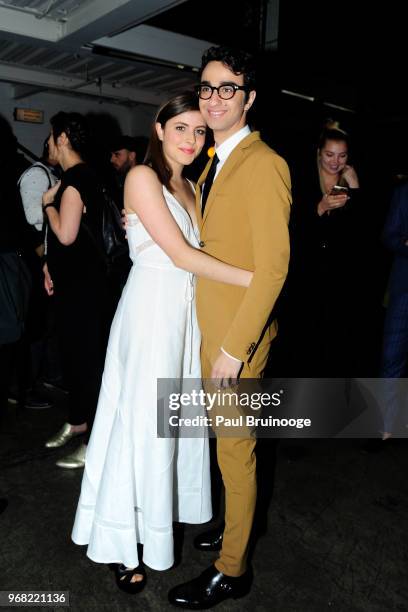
225	92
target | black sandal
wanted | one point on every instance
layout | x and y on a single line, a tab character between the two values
124	576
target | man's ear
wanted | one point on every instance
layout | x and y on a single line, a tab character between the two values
132	155
159	131
250	101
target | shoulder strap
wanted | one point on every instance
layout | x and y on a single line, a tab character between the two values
48	173
38	165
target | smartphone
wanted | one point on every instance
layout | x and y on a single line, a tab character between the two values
339	190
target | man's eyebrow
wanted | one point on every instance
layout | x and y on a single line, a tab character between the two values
220	85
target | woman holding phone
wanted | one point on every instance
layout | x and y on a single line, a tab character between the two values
336	177
322	276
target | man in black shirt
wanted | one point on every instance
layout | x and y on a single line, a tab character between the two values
126	153
123	155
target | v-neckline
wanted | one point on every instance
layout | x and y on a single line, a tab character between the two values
194	226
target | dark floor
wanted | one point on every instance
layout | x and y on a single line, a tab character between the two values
337	535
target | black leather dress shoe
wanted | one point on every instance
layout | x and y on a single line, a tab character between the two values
209	589
210	540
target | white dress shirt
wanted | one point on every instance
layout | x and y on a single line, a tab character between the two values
225	149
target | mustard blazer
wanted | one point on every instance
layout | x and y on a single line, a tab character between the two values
245	224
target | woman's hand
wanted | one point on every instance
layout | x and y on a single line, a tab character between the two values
40	250
125	221
48	284
225	370
48	196
331	202
351	177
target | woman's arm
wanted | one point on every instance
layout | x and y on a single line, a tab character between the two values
351	177
144	196
65	222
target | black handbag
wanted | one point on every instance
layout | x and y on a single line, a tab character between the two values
15	289
114	235
112	245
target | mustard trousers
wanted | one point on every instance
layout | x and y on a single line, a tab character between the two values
237	463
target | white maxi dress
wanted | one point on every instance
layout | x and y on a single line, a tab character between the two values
136	484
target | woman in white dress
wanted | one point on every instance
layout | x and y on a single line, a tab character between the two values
136	484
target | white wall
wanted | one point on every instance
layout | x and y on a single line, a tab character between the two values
132	121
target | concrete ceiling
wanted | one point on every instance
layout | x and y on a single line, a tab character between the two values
95	48
142	51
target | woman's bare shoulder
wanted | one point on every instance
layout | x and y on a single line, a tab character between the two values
142	186
142	174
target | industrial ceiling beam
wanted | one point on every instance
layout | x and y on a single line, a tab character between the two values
95	88
93	19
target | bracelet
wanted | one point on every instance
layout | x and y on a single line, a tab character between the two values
48	206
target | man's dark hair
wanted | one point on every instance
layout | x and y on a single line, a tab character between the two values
135	144
123	142
239	62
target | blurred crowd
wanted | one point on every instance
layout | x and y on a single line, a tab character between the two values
339	314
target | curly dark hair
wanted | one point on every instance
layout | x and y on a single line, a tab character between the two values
239	62
75	127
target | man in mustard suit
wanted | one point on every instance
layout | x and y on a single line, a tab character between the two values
243	204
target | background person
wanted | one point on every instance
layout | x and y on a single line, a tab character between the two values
75	274
13	241
395	338
38	358
126	153
321	317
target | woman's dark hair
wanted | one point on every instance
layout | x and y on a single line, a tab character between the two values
45	151
239	62
75	127
183	103
332	131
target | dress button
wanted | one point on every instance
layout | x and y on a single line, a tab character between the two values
202	243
